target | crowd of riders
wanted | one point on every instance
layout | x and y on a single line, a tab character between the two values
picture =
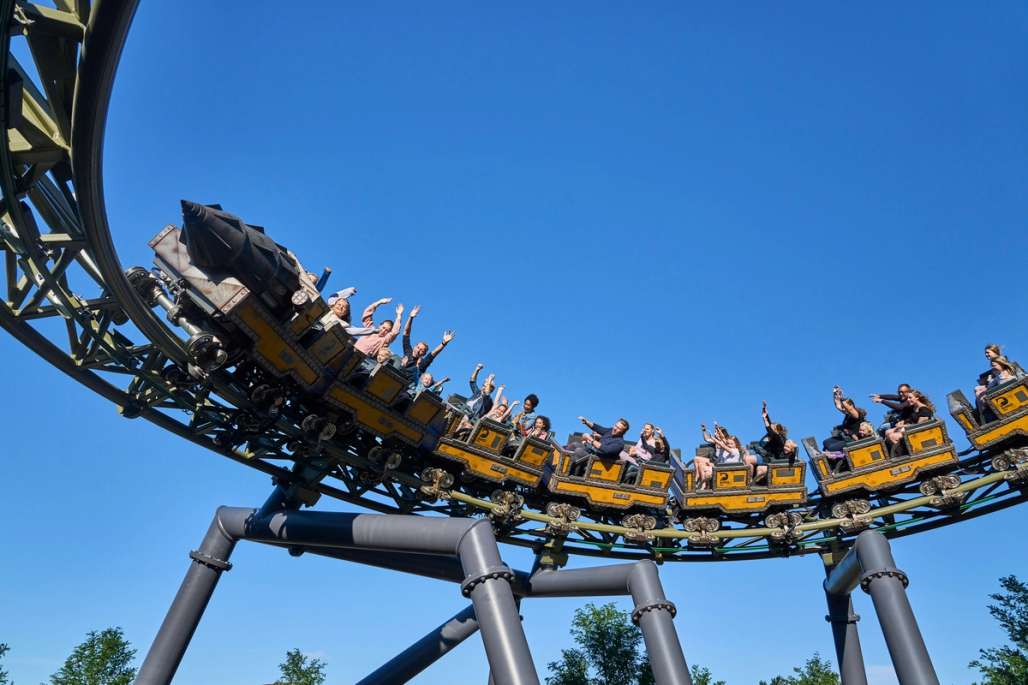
906	407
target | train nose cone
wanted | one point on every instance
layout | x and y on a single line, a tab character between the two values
213	239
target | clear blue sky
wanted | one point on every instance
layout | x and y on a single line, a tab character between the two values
670	212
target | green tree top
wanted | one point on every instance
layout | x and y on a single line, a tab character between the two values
104	658
297	669
1007	665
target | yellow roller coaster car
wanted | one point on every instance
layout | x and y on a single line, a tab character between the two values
602	486
1009	404
868	466
732	491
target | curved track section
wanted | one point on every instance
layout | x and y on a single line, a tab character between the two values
66	297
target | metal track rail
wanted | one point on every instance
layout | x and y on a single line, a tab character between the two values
65	296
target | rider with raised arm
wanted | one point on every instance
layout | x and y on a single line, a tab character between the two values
387	330
417	359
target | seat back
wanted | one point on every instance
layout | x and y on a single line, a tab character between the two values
654	476
604	469
425	407
784	475
731	477
386	383
866	452
925	436
533	452
490	436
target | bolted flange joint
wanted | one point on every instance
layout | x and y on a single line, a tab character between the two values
871	576
655	606
210	562
492	573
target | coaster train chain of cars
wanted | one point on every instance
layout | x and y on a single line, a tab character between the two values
221	345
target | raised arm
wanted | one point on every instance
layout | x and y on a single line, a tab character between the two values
499	395
393	334
447	337
764	415
474	378
368	317
408	351
588	424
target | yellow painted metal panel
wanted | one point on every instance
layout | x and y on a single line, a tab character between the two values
730	479
276	351
533	454
1011	400
890	474
307	318
610	497
744	501
924	440
785	475
489	468
370	416
425	408
489	440
1001	432
654	479
965	422
606	470
332	344
822	466
865	456
384	385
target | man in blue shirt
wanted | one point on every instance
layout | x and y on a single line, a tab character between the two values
605	443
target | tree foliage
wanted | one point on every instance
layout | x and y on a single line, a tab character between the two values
607	652
104	658
815	671
298	669
3	672
702	676
1007	665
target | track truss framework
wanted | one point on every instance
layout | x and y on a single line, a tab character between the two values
66	297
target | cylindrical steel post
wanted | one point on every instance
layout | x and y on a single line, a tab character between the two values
653	614
887	586
847	640
487	582
178	627
902	636
426	651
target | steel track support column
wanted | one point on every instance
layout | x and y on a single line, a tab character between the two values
487	581
426	651
847	640
653	613
870	564
208	563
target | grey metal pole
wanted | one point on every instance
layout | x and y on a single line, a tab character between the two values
653	614
178	627
487	580
847	640
426	651
870	564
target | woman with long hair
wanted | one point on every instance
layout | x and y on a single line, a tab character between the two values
921	410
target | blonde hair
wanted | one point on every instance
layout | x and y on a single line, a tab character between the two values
1005	364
